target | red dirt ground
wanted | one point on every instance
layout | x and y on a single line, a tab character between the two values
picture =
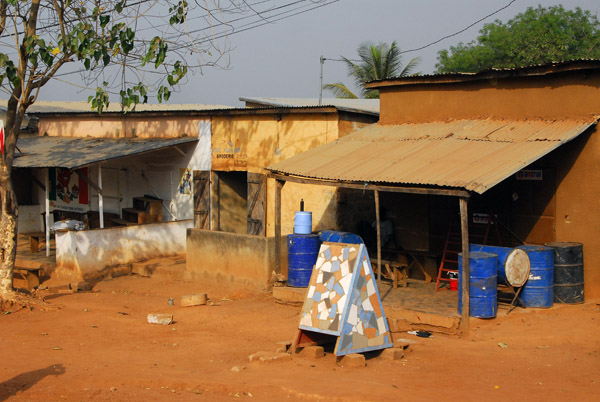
98	346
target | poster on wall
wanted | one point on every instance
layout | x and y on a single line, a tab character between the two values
68	191
185	181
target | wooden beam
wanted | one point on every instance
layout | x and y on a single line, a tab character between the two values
278	186
368	186
378	223
464	226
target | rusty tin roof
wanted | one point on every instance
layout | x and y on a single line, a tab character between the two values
471	154
75	152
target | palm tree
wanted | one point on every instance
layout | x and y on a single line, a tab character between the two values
377	62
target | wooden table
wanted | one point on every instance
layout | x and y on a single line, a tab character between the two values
416	259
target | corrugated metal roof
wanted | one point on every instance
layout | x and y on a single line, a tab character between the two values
470	154
53	107
491	73
370	106
74	152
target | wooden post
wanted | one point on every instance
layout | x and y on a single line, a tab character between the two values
47	217
100	197
464	226
378	223
278	186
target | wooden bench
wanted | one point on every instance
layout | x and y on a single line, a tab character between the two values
394	270
31	275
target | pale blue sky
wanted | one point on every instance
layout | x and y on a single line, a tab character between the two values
282	59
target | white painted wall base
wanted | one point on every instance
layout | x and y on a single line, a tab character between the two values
85	254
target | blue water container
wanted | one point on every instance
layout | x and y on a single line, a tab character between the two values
333	236
539	289
303	222
513	263
483	281
303	250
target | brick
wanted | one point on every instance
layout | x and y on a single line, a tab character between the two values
353	360
312	352
194	300
392	354
283	346
162	319
269	357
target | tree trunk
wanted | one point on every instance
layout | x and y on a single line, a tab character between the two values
8	233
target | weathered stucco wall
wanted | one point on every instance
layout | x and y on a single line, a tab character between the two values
555	96
230	258
85	254
118	127
572	213
321	201
577	213
250	143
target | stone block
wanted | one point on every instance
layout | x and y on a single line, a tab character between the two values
404	344
283	346
194	300
313	352
392	354
269	357
162	319
354	360
140	268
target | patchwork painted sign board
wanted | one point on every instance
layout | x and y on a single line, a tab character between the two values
342	300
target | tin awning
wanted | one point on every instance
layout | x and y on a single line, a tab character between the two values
474	155
74	152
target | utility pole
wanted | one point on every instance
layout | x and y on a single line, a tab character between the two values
321	86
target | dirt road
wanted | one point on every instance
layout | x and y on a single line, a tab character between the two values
98	346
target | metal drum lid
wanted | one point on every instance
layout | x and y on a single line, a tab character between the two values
517	267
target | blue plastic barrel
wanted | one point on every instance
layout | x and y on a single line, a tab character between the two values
340	237
303	222
513	263
483	281
303	250
539	289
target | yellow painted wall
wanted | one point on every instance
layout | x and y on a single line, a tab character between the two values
320	200
117	127
253	142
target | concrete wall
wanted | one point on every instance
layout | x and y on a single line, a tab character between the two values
85	254
30	218
230	258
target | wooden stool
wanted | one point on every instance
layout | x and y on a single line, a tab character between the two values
35	240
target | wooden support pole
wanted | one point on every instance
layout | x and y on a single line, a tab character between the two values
278	186
47	217
464	226
100	197
378	223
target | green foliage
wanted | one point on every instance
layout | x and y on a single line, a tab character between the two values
377	62
537	36
99	35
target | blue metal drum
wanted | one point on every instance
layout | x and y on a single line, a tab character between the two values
539	289
340	237
303	250
513	263
483	281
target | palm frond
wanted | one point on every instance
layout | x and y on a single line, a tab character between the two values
340	91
